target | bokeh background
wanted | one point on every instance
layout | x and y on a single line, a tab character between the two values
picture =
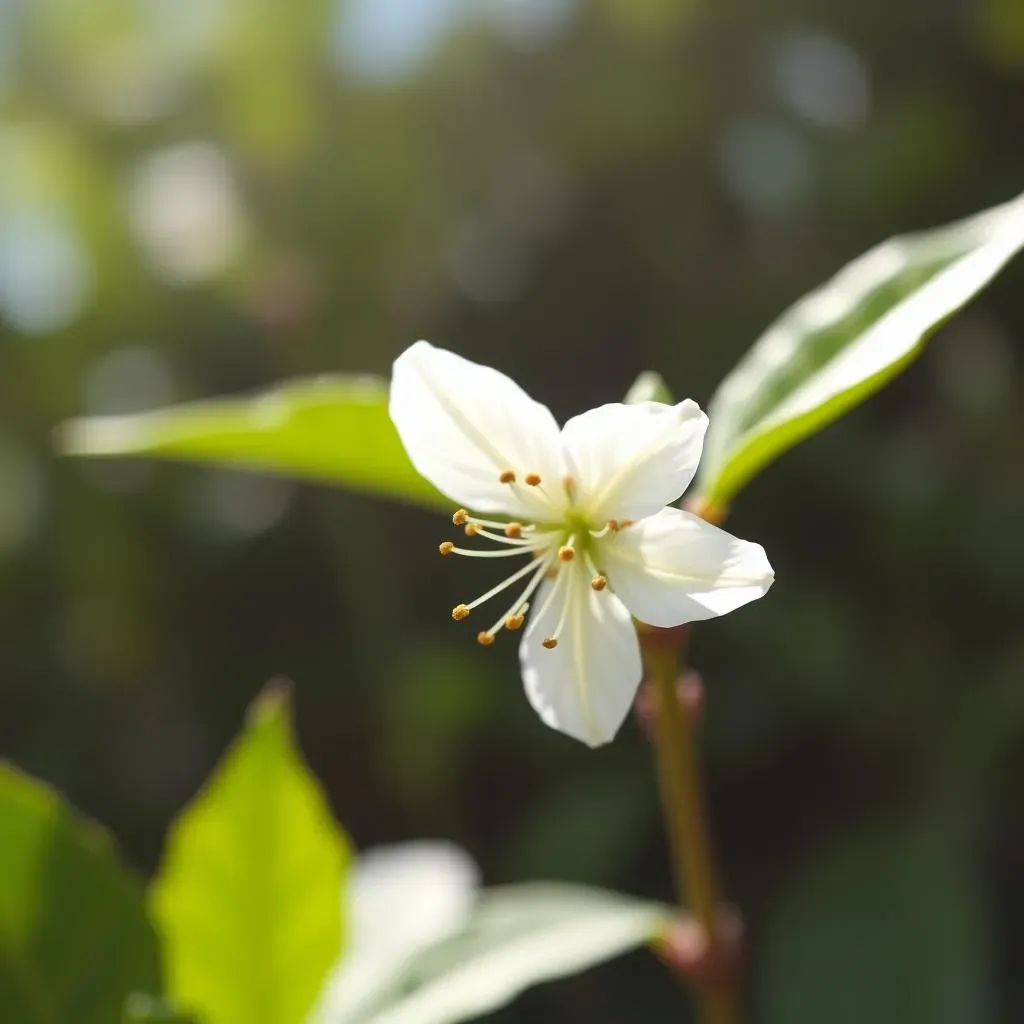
200	197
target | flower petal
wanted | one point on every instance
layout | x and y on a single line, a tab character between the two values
674	567
629	461
464	424
583	687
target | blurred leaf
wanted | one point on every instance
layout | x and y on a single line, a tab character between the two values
841	343
401	900
74	938
648	387
333	429
517	936
248	898
888	927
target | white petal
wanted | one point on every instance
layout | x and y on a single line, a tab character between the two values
463	424
629	461
401	900
583	687
674	567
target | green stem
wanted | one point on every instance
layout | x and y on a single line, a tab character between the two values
685	816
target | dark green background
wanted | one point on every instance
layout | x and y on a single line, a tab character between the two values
574	196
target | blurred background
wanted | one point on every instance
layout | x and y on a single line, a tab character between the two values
200	197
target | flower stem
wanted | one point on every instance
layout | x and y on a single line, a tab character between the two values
685	816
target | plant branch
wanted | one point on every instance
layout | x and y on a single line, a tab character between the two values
685	817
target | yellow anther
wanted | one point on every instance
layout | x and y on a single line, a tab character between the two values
533	479
599	582
613	526
551	574
485	639
550	643
446	547
625	523
515	622
460	612
472	529
570	487
461	517
514	530
566	554
507	476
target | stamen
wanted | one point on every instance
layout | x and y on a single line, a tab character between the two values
501	538
532	479
485	639
599	580
461	517
570	489
472	529
625	522
566	553
507	552
516	614
551	642
460	611
552	596
446	547
495	523
507	476
514	530
518	575
612	525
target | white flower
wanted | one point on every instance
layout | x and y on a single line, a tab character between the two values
587	505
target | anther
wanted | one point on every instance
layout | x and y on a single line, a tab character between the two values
507	476
515	622
550	643
460	611
472	529
599	582
461	517
514	530
533	479
613	526
566	553
570	488
625	523
485	639
446	547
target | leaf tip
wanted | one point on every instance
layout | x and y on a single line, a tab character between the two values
273	701
649	386
96	435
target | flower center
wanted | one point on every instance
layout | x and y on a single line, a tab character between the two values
560	551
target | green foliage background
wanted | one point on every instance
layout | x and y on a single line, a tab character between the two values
573	195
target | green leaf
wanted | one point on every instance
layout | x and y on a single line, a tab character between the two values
887	927
248	898
333	429
74	937
841	343
648	387
516	937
